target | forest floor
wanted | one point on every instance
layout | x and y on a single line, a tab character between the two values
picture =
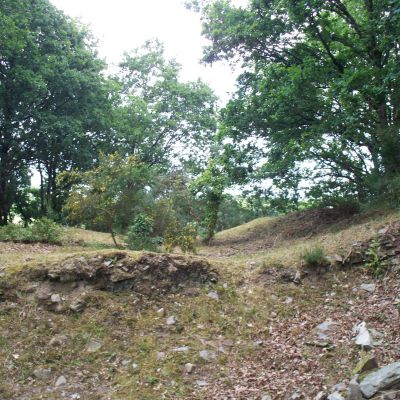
84	321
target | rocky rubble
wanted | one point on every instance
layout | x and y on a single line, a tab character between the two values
386	243
65	286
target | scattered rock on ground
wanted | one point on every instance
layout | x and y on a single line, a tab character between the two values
42	373
93	346
208	355
368	287
387	377
213	295
61	381
364	338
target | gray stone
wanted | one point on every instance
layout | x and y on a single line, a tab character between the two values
339	387
61	381
266	397
42	373
183	349
335	396
171	320
297	278
385	378
208	355
135	366
201	383
161	355
213	295
55	298
354	392
189	368
59	340
364	338
93	346
368	287
77	305
324	330
321	396
289	300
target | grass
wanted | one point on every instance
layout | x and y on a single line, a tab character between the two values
132	331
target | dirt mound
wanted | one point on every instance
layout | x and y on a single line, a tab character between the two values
66	285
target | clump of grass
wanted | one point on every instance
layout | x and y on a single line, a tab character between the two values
374	262
314	257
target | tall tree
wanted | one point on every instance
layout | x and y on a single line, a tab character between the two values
49	85
321	86
159	116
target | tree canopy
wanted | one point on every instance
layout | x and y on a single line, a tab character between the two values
320	86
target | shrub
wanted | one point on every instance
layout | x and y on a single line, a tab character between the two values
182	237
43	230
315	257
374	262
139	234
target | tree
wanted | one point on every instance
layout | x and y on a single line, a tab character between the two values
321	87
159	117
50	91
111	194
210	186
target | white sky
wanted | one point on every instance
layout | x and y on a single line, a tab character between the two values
122	25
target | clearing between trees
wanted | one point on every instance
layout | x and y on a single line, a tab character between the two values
246	318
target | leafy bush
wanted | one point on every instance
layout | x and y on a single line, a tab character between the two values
182	237
43	230
315	257
139	234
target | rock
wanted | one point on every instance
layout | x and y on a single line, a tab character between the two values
171	269
61	381
55	298
354	391
364	338
135	366
43	293
289	300
297	278
77	305
339	387
325	329
266	397
201	383
93	346
161	355
321	396
189	368
183	349
208	355
171	320
213	295
385	378
367	363
368	287
42	373
59	340
335	396
295	396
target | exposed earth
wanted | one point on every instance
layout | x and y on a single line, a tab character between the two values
243	319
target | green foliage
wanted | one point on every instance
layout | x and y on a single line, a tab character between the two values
51	93
318	98
183	237
314	257
210	186
42	230
139	234
374	262
111	194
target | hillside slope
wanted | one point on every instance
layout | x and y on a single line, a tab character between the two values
77	322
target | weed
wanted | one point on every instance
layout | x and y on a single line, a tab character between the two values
314	257
374	263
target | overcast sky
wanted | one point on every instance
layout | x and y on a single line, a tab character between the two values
122	25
